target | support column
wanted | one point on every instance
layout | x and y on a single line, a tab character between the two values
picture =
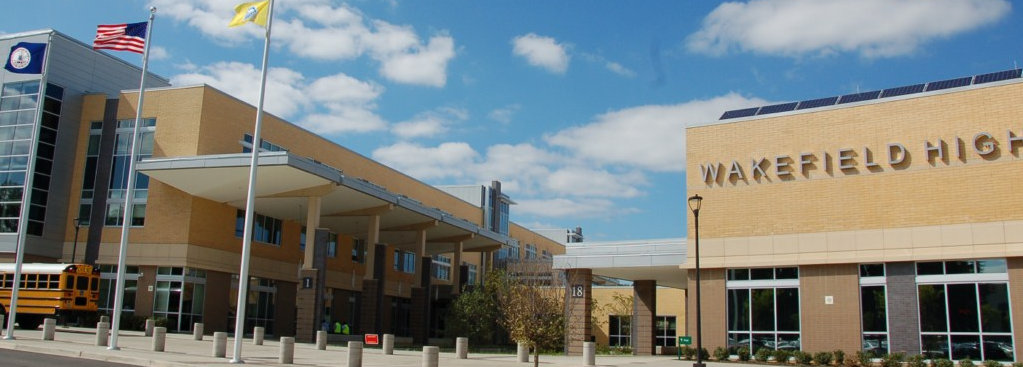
578	310
373	307
312	221
644	314
456	269
420	250
422	307
372	238
309	296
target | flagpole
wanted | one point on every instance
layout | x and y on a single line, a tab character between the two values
26	192
243	273
129	198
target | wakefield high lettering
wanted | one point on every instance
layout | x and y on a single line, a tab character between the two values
851	161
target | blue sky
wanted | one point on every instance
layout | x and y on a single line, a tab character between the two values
578	107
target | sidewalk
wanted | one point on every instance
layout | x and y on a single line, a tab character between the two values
181	351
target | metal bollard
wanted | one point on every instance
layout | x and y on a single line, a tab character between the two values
49	328
321	340
589	353
197	330
105	319
388	344
354	354
523	352
220	344
257	335
150	324
287	350
462	348
431	356
102	334
159	338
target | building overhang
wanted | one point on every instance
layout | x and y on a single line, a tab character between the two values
656	260
285	181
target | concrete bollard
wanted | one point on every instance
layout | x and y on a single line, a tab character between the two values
105	319
431	356
159	338
287	350
102	333
3	326
49	328
321	340
523	352
589	354
197	329
354	354
220	344
150	324
257	335
388	346
462	348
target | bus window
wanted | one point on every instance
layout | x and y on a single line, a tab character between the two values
8	280
24	280
43	281
69	282
83	283
55	281
31	281
95	285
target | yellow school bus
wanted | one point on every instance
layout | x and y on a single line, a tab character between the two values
49	290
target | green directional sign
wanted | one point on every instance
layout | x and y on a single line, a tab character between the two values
685	340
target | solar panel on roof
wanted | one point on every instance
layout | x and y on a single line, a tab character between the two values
899	91
739	113
994	77
777	108
820	102
856	97
951	83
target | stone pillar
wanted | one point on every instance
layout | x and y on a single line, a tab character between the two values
150	324
309	295
321	340
589	354
220	344
287	350
102	333
456	269
431	356
388	344
644	314
372	239
159	338
578	326
354	354
373	307
421	305
462	347
522	352
49	328
197	331
258	333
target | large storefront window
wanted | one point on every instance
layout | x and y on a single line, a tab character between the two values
763	308
874	309
619	330
119	172
964	310
179	296
19	113
108	278
259	311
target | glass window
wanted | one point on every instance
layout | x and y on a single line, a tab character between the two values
763	309
871	270
666	331
619	330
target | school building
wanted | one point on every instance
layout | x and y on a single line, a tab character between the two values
338	236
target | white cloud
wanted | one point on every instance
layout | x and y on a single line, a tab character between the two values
504	114
318	30
872	28
428	124
543	52
158	53
331	104
571	208
647	137
425	163
619	69
585	181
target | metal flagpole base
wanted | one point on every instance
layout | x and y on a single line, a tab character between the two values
237	361
113	348
9	337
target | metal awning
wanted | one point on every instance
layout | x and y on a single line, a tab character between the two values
656	260
285	181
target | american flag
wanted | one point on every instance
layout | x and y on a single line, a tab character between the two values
121	37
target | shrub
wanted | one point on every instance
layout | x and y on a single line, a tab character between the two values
839	357
942	362
892	360
916	360
991	363
686	352
743	353
822	358
763	354
721	354
781	355
802	357
966	362
704	355
1017	364
864	358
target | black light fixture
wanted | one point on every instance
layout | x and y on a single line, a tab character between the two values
74	248
695	202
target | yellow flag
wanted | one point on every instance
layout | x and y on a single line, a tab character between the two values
255	12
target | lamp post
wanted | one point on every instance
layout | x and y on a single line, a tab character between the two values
74	248
694	205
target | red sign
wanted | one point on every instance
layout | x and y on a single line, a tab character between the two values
372	339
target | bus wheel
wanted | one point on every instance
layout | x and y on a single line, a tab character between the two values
29	322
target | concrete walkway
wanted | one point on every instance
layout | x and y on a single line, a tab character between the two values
181	350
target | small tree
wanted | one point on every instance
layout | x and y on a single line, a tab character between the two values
531	298
475	313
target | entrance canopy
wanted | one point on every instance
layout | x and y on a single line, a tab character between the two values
285	183
656	260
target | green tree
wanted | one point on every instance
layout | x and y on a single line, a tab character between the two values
531	297
476	314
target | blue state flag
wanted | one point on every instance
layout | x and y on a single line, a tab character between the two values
26	58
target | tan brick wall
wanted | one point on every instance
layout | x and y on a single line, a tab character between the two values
829	327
